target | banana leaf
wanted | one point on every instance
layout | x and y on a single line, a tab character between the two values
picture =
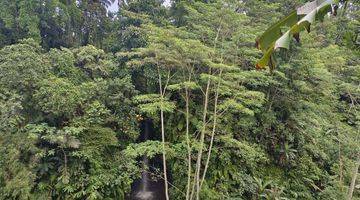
274	32
272	39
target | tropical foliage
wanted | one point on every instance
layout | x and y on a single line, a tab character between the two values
78	83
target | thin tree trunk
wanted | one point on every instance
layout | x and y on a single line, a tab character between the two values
202	133
353	179
164	154
188	145
188	142
212	132
196	185
340	165
162	94
202	138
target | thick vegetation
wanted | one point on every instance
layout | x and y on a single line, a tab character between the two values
77	81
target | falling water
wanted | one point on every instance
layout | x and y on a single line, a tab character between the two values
144	193
147	188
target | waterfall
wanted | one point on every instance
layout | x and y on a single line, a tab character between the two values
145	193
145	160
145	174
147	188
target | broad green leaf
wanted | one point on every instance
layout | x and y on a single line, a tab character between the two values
269	41
265	59
268	38
283	41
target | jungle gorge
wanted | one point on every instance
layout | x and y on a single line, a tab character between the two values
179	99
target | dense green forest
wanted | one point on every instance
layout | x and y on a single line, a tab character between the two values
79	83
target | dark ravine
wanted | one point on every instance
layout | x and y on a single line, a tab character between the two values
148	187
